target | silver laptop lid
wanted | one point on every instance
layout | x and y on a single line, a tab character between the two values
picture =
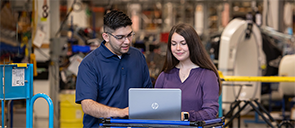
155	104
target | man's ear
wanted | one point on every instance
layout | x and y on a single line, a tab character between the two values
106	37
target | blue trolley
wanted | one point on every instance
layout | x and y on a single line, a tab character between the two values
109	122
16	81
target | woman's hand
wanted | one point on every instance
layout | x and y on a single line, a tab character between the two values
184	116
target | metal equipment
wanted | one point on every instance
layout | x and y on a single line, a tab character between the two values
16	81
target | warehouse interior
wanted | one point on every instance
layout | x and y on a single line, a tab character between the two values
243	38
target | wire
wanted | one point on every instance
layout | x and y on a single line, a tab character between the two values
67	16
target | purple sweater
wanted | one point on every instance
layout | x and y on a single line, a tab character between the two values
199	92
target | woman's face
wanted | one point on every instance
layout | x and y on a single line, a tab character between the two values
179	47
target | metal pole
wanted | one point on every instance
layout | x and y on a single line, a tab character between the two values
54	56
3	101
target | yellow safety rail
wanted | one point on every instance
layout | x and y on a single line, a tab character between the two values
252	79
257	78
20	64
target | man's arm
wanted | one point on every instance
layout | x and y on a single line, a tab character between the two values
99	110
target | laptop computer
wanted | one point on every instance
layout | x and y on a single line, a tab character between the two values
155	104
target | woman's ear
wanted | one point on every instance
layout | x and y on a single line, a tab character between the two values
106	37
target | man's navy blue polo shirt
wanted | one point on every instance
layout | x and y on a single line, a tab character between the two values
105	78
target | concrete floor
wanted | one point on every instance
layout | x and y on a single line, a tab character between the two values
19	120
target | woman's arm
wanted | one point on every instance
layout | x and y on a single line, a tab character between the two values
210	90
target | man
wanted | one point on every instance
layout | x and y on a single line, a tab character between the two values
106	74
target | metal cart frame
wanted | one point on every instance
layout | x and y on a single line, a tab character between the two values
11	91
109	122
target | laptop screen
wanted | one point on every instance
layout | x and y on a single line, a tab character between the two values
155	104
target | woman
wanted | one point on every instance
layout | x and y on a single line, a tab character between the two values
188	67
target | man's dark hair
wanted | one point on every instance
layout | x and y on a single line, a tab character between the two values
116	19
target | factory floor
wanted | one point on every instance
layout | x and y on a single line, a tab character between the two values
19	117
19	120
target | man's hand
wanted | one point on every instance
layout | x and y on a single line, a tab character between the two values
123	112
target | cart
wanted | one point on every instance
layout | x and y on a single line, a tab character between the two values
110	122
16	82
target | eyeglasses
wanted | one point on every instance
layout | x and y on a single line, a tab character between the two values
122	37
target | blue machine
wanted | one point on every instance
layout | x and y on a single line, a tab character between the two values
16	81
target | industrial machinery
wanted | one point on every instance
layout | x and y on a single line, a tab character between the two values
240	54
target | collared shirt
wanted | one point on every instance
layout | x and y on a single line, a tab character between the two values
200	92
105	78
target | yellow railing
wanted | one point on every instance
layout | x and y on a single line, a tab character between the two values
252	79
258	78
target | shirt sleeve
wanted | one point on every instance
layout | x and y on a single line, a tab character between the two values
87	83
210	90
160	81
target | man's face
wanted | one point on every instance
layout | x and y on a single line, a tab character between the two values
119	41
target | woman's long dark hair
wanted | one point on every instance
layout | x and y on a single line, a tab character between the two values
198	54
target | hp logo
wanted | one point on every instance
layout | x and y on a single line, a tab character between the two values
155	105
